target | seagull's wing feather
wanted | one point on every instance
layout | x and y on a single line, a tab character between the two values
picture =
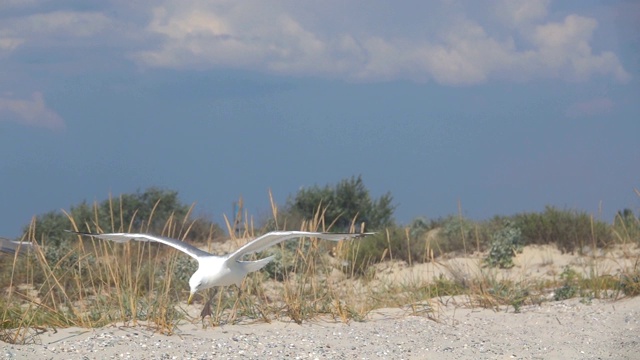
174	243
275	237
11	246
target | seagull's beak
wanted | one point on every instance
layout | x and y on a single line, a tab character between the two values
190	299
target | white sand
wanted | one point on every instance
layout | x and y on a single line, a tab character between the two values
554	330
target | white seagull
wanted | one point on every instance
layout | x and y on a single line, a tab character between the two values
214	270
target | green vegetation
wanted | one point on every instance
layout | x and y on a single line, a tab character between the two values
74	281
506	243
342	206
626	226
570	281
147	211
569	230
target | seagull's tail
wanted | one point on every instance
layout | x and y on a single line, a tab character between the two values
251	266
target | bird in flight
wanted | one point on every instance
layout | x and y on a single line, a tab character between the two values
214	270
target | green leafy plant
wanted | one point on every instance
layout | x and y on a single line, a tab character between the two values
570	281
506	243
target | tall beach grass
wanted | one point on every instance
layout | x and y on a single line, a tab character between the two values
89	283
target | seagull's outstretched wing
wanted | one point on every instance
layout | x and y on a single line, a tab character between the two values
275	237
11	246
124	237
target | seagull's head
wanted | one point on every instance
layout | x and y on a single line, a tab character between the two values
195	283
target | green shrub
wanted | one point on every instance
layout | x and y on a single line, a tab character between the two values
285	257
183	268
419	227
372	250
147	211
568	229
395	243
340	205
461	235
456	235
504	246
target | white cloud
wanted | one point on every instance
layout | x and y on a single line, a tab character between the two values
30	112
205	38
274	39
565	48
449	42
468	55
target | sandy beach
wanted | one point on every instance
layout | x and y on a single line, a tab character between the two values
577	328
554	330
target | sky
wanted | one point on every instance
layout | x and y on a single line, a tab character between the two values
488	108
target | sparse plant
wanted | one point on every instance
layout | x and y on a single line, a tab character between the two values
569	288
511	294
626	226
630	282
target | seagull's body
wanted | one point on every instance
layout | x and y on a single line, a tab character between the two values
214	270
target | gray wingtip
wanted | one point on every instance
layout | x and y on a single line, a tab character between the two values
363	234
79	233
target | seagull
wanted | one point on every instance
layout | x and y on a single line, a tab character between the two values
12	246
214	270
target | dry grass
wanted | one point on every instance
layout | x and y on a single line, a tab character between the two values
93	283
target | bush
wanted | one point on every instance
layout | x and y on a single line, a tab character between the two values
149	211
462	235
419	227
504	246
410	244
343	203
286	256
362	254
568	229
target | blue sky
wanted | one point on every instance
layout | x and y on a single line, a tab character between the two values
502	106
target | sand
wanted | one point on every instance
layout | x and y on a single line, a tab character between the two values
554	330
